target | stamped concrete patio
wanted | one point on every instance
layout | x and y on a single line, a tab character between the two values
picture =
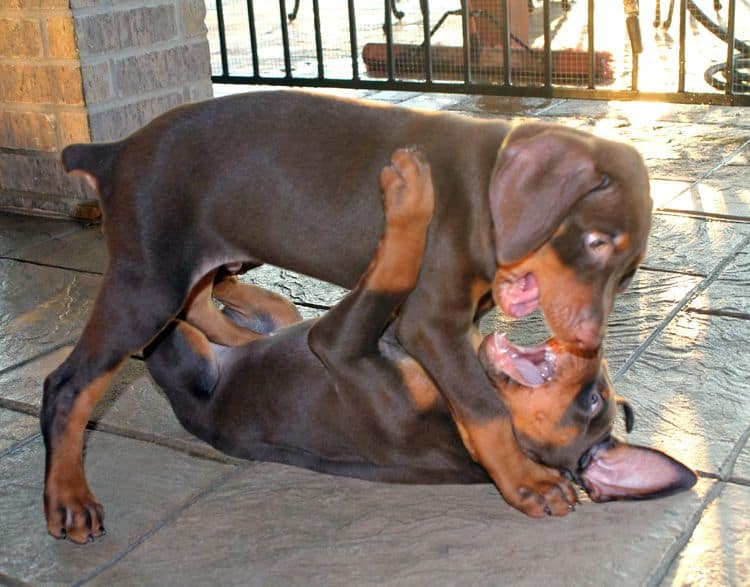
178	513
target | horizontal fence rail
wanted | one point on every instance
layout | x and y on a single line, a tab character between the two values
690	51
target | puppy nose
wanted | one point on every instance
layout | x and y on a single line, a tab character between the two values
589	334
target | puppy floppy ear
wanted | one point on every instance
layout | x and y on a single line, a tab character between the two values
620	471
537	179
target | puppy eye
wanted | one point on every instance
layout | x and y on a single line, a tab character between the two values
606	181
595	400
590	399
597	242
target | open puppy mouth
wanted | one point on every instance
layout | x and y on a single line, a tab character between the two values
529	366
519	296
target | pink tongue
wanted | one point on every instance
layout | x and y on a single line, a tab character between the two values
520	297
527	366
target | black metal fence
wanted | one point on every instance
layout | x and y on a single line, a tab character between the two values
611	49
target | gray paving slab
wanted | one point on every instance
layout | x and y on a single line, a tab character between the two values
742	158
276	525
691	245
296	287
677	150
19	232
718	552
14	428
650	298
501	106
730	293
689	391
40	308
670	150
83	250
664	190
140	484
725	192
653	112
23	384
434	101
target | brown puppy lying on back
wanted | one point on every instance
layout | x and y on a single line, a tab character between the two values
537	215
363	407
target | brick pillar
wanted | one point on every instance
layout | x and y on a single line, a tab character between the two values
80	70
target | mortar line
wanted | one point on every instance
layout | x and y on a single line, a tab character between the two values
172	516
690	296
53	349
546	109
50	265
199	450
60	236
727	466
20	444
670	271
657	577
703	215
739	481
20	407
722	313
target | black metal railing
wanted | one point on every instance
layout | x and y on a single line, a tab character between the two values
499	47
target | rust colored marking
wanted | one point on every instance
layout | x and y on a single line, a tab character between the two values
408	200
534	489
201	312
68	499
537	412
90	179
565	299
249	300
196	340
622	241
423	393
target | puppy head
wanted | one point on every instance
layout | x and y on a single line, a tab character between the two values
563	409
571	215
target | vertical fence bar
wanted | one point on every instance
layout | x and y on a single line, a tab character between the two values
506	42
253	37
591	48
222	39
285	38
425	6
729	74
547	46
353	40
389	41
466	28
318	40
683	36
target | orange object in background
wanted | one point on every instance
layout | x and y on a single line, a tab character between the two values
490	30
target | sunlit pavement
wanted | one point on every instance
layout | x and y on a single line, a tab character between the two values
178	513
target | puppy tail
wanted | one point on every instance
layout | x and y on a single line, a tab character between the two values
92	161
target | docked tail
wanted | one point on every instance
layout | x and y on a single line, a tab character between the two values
92	161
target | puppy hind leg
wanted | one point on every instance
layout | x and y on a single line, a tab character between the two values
253	307
201	312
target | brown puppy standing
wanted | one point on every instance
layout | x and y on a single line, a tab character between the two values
369	410
289	178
